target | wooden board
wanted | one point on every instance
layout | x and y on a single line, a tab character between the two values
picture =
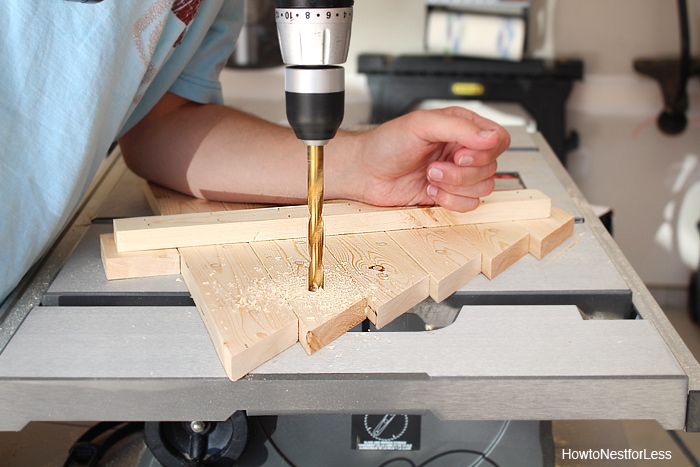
157	232
128	265
164	201
323	315
392	281
547	234
248	322
449	258
501	244
252	293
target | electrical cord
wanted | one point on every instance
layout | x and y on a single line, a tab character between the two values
483	456
88	452
673	118
494	444
685	45
684	447
273	444
441	455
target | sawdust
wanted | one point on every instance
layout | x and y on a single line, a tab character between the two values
339	293
285	290
564	250
256	296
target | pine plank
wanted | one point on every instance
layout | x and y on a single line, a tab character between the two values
547	234
501	244
164	201
129	265
323	315
240	206
450	260
391	280
157	232
246	319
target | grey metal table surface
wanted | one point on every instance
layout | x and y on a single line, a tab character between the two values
573	336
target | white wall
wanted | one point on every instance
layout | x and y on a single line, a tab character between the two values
386	26
624	161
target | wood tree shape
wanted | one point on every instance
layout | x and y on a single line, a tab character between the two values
246	265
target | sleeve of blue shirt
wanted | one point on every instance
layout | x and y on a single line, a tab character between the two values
74	78
193	70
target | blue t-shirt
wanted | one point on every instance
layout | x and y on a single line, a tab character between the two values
73	78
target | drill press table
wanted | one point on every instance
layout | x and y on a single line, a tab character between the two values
546	340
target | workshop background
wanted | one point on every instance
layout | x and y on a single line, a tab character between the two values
623	161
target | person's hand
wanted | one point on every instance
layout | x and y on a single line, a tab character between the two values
445	157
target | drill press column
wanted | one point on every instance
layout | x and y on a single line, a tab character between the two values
314	38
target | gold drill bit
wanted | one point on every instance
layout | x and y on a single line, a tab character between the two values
315	171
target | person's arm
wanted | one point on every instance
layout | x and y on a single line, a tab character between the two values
215	152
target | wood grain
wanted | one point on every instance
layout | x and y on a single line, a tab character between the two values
450	260
133	264
323	315
501	244
164	201
280	223
391	280
252	293
247	320
547	234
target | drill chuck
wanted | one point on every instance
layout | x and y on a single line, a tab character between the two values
315	100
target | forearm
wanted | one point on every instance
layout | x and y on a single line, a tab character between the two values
216	152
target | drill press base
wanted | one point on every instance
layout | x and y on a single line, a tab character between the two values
331	440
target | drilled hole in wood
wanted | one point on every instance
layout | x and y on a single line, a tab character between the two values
377	267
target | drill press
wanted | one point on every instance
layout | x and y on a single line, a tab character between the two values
314	38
